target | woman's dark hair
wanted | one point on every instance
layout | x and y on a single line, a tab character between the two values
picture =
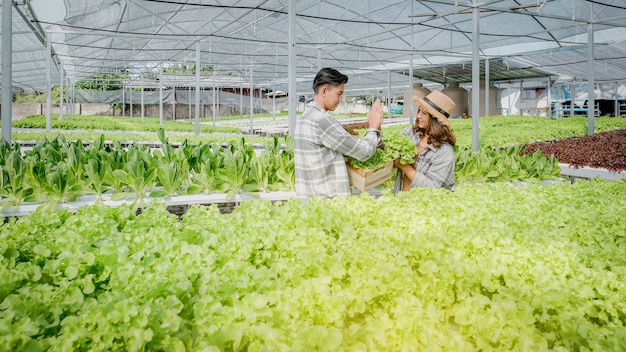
328	76
438	134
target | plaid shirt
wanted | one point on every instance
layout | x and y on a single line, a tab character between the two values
320	144
434	167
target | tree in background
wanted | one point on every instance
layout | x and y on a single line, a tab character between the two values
189	69
104	81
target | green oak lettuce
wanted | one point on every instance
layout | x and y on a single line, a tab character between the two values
488	267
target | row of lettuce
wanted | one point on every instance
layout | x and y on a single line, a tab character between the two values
498	131
59	170
484	268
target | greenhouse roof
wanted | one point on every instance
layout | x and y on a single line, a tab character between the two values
499	70
374	42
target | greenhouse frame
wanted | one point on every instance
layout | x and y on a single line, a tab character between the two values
280	45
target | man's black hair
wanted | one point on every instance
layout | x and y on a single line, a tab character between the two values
328	76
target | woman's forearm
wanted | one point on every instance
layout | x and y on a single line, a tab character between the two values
408	170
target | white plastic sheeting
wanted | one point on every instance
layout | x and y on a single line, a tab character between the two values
364	39
181	96
29	53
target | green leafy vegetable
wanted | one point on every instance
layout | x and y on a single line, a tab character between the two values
395	146
532	268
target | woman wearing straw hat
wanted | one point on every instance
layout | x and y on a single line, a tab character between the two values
434	165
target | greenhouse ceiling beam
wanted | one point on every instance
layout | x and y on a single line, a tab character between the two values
164	22
87	31
249	23
370	35
36	28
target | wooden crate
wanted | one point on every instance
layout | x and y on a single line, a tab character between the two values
366	179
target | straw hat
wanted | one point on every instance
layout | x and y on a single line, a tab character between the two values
438	105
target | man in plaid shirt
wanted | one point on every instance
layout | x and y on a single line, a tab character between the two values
320	142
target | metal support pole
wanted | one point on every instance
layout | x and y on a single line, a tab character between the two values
61	105
617	112
174	106
549	110
475	79
68	102
521	93
573	97
202	102
7	70
508	97
293	98
214	84
251	101
49	82
411	92
73	99
161	94
273	101
131	99
487	110
197	116
389	94
143	109
591	102
123	101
